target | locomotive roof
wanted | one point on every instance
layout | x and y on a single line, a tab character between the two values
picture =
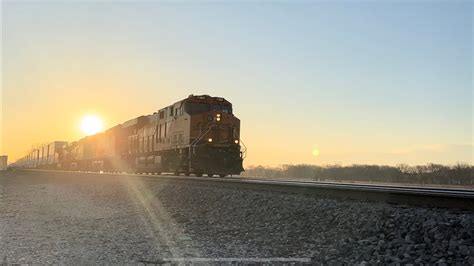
133	121
206	99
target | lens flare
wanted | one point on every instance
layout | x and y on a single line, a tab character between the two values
315	152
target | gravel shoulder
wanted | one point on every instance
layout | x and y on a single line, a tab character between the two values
79	218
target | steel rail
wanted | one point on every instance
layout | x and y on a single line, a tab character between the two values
462	199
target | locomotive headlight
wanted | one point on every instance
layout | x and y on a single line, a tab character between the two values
218	119
236	141
209	139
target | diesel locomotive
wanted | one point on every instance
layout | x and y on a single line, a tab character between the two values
197	135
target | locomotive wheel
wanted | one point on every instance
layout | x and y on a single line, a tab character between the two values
198	174
210	175
222	175
187	174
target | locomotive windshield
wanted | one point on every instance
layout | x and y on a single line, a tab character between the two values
196	108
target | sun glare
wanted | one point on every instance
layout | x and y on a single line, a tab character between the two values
91	125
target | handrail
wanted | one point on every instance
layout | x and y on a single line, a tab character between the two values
195	142
244	150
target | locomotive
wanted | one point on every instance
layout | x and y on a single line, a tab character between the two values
197	135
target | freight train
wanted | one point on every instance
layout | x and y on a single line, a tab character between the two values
197	135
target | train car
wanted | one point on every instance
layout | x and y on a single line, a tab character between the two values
197	135
47	156
55	151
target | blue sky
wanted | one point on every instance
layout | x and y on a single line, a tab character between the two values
389	82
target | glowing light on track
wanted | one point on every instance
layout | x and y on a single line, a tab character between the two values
315	152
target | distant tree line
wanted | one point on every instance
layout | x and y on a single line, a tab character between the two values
459	174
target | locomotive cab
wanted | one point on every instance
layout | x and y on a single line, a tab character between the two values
197	107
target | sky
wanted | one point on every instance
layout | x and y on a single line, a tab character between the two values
359	82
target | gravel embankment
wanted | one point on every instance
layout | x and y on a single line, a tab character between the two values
54	217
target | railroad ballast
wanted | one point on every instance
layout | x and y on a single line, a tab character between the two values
197	135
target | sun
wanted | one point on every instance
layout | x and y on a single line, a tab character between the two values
91	124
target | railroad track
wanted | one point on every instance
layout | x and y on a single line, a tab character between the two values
462	199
